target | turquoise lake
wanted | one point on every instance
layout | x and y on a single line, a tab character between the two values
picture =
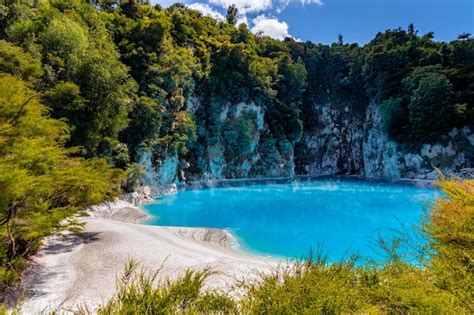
286	220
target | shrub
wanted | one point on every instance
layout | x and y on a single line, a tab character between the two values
451	231
41	183
139	293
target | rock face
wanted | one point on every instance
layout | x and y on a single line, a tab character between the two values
352	144
160	176
344	142
216	164
384	159
381	156
336	148
262	157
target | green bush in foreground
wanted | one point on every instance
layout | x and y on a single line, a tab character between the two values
42	183
451	227
317	287
139	294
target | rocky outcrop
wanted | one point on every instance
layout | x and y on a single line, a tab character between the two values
351	144
336	148
381	156
344	142
160	175
384	159
263	158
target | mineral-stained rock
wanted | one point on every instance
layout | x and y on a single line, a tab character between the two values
344	143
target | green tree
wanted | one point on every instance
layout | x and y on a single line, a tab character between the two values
464	36
232	13
41	185
237	139
432	108
77	49
292	81
411	29
340	40
15	61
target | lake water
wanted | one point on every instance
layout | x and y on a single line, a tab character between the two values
287	220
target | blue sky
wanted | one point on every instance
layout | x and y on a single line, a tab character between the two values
358	20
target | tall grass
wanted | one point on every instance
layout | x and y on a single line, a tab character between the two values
312	287
142	293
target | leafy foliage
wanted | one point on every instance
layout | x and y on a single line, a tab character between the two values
317	287
15	61
422	88
123	72
41	185
176	56
140	294
451	229
72	40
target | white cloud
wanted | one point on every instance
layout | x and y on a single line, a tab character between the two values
318	2
281	5
244	6
247	6
242	19
205	9
270	27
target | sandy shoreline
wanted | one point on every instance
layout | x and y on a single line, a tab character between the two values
71	270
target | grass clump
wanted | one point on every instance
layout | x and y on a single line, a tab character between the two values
141	293
323	288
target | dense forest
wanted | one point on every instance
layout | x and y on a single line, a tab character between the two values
89	90
135	78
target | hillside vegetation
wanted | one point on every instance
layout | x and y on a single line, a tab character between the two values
124	78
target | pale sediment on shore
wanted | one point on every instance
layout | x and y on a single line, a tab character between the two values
72	270
118	210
